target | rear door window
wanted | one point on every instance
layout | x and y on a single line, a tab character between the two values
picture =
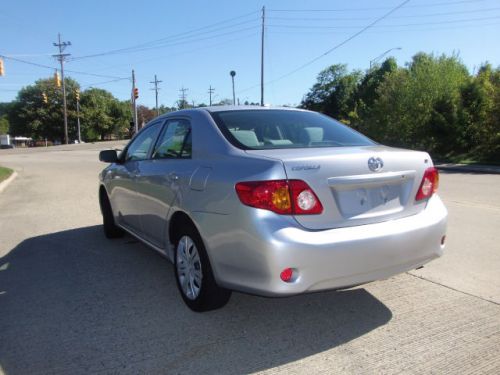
175	141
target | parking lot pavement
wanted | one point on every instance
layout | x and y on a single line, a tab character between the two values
74	302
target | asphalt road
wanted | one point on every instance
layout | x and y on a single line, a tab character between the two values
74	302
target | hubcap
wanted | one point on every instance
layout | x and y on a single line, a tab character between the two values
189	268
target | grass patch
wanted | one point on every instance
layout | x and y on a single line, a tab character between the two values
5	173
467	159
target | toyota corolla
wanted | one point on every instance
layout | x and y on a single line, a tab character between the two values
272	202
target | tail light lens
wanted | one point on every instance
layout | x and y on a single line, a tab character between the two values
285	197
429	184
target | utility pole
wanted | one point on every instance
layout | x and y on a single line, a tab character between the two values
232	73
183	97
77	95
210	92
134	103
61	56
156	82
262	59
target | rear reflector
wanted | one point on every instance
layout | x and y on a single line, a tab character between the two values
286	275
429	184
285	197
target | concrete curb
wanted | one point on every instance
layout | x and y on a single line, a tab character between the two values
6	182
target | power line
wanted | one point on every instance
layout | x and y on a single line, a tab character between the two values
369	18
192	41
9	57
95	75
370	25
105	82
426	5
211	46
386	26
183	35
29	54
378	31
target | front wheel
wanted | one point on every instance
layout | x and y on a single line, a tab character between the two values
194	274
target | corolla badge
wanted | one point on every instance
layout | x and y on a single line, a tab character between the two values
305	167
375	164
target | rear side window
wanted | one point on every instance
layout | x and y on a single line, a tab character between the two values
268	129
175	141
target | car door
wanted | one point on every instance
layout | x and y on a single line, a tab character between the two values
163	177
126	204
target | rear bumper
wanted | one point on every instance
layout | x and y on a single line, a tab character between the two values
251	259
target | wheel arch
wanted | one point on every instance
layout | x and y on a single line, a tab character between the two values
176	222
103	194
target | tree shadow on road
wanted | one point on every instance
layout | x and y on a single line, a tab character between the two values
74	302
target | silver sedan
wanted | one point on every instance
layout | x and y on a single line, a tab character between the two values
272	202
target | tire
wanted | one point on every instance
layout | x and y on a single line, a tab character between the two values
111	230
193	273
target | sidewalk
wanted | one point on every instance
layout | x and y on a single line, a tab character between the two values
469	168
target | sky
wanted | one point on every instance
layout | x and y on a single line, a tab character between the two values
195	44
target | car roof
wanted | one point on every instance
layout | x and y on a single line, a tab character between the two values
226	108
223	108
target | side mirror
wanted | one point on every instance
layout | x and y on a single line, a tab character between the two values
108	156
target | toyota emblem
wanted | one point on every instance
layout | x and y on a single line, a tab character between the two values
375	164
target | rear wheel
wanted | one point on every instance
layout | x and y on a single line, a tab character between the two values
194	274
111	230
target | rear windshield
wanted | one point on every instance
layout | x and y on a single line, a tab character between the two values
268	129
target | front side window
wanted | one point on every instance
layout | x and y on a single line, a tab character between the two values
269	129
175	141
139	148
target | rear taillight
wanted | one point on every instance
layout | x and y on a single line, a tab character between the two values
429	184
304	201
285	197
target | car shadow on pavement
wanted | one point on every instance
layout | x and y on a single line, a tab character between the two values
75	302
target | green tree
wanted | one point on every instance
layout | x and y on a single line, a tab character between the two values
419	106
225	102
145	114
4	125
30	116
367	92
103	115
163	109
481	114
121	112
334	92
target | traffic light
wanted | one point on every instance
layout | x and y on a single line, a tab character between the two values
136	93
45	99
2	70
77	95
57	79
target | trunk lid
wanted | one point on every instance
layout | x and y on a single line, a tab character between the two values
351	193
